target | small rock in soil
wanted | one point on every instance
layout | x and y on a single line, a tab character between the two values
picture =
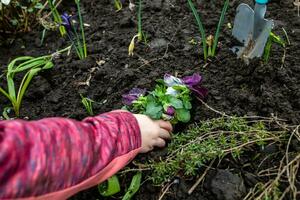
158	43
225	185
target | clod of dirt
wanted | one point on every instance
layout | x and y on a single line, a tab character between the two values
225	185
158	43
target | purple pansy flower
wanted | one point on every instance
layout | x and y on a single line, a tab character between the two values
170	111
193	80
66	21
133	95
194	83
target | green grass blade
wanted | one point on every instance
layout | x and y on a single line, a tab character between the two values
200	26
12	63
81	29
134	186
110	187
57	17
221	21
23	86
11	86
43	36
5	93
26	63
267	50
140	33
31	65
118	5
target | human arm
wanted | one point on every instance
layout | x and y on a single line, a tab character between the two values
57	157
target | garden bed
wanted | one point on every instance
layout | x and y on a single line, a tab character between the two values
259	89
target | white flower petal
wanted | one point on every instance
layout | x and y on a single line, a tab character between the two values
172	80
5	2
171	91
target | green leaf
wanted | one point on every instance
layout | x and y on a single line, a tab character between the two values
187	104
183	115
30	10
134	186
176	103
153	110
110	187
38	6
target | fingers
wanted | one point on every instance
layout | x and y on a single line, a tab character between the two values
159	142
165	125
164	134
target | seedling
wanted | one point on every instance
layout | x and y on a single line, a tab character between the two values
77	40
272	39
140	35
134	186
170	100
30	66
88	104
110	187
209	43
56	17
118	5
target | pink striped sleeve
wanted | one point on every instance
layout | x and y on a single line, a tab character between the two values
54	154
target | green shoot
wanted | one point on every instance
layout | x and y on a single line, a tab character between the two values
88	104
30	66
221	22
118	5
200	26
209	43
56	17
140	35
110	187
272	39
134	186
84	49
140	32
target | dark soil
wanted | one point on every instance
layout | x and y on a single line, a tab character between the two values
234	87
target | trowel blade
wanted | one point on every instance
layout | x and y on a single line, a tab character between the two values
243	22
243	31
261	40
259	19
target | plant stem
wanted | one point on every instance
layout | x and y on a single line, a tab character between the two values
81	28
201	28
221	21
140	33
57	17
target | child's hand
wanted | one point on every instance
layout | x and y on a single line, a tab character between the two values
153	133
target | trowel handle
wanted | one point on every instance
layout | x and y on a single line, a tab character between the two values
261	1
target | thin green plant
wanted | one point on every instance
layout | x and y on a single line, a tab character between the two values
77	39
118	5
30	66
273	38
110	187
56	16
88	104
140	35
84	52
209	43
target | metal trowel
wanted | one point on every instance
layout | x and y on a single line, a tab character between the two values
252	30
